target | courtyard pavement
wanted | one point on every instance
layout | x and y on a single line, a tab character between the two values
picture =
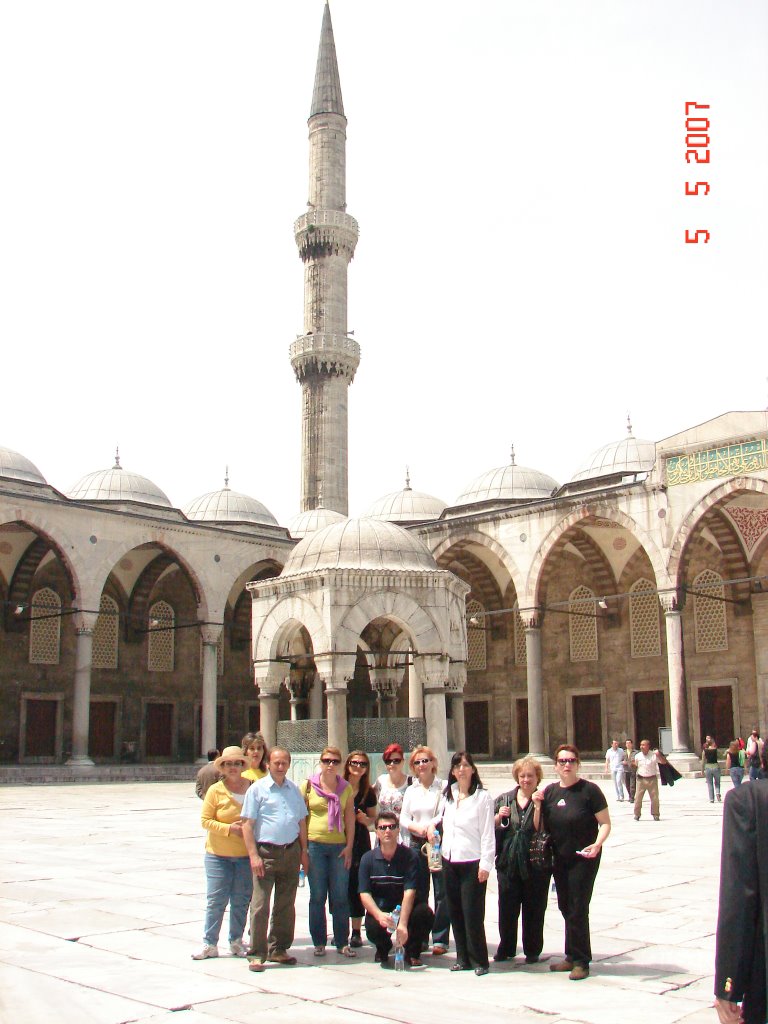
102	898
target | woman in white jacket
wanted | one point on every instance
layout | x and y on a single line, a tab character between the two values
468	847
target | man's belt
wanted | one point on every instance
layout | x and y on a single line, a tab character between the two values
279	846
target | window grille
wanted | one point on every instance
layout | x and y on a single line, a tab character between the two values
45	628
709	613
644	628
160	653
106	633
582	625
476	636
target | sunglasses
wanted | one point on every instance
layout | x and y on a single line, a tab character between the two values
233	764
424	760
394	760
566	760
357	764
330	760
387	828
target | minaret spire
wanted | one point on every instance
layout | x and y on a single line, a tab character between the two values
325	358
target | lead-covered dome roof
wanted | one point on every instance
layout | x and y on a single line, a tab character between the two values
312	520
628	456
406	506
509	483
118	484
14	466
360	544
228	506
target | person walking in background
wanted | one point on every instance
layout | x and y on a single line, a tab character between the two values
753	755
275	834
615	760
357	773
711	768
630	771
648	762
734	762
207	775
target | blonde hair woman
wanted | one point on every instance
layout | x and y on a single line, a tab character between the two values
420	810
331	833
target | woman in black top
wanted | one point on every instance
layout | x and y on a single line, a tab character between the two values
711	768
357	772
516	818
576	815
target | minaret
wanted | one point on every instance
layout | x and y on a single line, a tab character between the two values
325	357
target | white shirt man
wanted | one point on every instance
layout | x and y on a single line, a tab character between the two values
648	762
615	763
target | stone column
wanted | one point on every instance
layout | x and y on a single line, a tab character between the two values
385	683
678	699
81	710
536	736
316	698
210	635
336	670
415	693
458	680
433	672
760	635
269	679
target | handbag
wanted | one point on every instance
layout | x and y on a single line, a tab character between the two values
540	851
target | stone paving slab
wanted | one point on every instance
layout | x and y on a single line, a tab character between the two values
120	867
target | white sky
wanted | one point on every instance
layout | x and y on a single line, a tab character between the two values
517	169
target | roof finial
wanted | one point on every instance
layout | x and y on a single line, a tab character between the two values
407	478
117	458
629	425
512	456
226	478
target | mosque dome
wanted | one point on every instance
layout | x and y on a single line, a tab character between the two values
406	506
117	484
16	467
228	506
620	458
312	520
509	483
360	544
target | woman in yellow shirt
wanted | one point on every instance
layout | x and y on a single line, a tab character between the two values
331	832
256	755
228	873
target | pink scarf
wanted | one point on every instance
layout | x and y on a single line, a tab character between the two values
335	819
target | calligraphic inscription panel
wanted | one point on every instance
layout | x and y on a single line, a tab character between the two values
714	463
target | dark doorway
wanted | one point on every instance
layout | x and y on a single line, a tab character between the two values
521	714
220	740
159	730
716	714
650	716
587	723
101	729
254	718
476	720
40	732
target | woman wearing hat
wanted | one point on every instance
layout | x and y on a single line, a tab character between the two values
227	865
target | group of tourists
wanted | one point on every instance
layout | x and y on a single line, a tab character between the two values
639	772
433	836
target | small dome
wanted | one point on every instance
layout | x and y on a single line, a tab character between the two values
630	455
16	467
509	483
360	544
406	506
227	506
118	484
312	520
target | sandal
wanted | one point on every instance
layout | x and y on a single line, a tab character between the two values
346	951
319	950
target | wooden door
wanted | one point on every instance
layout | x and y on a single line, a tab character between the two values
101	729
40	732
521	713
159	730
716	714
650	716
476	726
587	723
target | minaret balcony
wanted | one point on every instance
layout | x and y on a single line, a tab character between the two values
335	355
325	233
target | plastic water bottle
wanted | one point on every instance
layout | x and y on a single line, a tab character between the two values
395	915
302	877
399	958
435	856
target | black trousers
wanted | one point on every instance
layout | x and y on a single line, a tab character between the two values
419	927
441	929
575	879
466	909
630	782
531	897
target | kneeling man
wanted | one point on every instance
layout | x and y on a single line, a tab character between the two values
389	876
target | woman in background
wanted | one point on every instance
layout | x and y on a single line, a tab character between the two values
734	762
390	788
711	767
357	773
256	754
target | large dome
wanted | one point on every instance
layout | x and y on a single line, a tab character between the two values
360	544
406	506
227	506
509	483
312	520
628	456
117	484
16	467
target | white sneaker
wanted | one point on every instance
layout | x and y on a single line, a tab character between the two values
236	948
207	953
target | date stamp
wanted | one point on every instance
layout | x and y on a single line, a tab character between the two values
697	151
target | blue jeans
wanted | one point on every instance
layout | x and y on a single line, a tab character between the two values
737	774
328	877
712	775
229	881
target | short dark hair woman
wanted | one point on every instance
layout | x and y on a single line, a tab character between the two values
576	816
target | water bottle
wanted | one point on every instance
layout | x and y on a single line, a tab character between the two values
399	958
302	877
435	856
395	915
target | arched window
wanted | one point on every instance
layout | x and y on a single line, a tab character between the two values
105	634
582	625
709	612
475	635
521	651
644	629
160	649
45	628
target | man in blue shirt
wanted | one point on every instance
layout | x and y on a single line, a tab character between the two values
389	877
275	834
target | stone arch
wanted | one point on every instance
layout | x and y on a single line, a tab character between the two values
289	613
482	540
19	586
424	632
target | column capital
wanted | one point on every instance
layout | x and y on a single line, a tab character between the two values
85	622
434	670
269	677
670	601
210	632
531	617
